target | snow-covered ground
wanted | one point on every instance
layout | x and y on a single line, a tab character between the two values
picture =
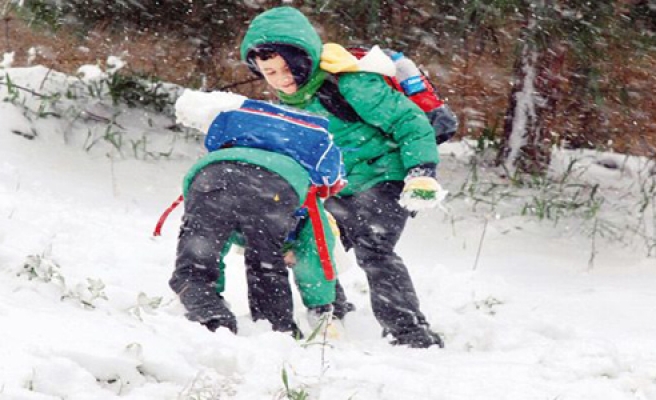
529	309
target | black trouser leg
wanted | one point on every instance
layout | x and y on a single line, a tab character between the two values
269	293
199	249
226	197
372	222
255	293
341	305
265	225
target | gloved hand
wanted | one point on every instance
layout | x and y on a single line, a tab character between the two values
421	190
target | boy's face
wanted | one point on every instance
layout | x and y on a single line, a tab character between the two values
277	74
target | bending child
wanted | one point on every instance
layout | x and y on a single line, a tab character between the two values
264	165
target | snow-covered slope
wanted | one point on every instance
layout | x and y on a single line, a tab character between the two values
529	309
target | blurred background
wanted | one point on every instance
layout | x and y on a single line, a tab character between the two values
574	74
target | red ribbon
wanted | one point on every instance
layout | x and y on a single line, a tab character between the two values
311	202
319	234
165	215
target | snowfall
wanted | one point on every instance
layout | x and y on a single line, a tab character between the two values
531	308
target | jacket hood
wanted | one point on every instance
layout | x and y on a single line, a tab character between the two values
283	25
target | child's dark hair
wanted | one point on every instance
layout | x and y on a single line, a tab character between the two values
264	53
297	59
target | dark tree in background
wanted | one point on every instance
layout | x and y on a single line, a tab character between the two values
561	92
211	27
554	72
643	14
567	71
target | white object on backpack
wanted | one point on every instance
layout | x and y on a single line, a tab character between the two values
377	61
198	110
408	75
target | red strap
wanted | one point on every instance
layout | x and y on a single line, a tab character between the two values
358	52
427	100
324	191
160	223
315	218
319	235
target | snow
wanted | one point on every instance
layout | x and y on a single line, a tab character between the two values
114	64
529	309
7	60
91	73
32	52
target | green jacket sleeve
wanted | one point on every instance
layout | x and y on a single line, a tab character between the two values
393	113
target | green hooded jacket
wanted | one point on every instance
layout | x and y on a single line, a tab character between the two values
315	290
394	134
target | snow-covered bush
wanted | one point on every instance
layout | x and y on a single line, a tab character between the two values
123	115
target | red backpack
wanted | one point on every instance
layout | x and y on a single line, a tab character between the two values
443	120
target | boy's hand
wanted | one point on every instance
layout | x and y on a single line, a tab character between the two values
421	190
421	193
290	258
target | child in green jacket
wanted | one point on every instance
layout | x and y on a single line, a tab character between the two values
389	152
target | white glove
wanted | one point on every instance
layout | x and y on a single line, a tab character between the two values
421	193
198	110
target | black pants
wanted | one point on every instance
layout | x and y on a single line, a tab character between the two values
226	197
258	298
371	223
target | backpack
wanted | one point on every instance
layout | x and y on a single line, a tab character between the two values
442	119
301	136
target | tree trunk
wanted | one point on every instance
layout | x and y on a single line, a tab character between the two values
535	93
583	121
206	65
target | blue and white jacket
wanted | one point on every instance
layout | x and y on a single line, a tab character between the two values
301	136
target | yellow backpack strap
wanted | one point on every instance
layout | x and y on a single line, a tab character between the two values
336	59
